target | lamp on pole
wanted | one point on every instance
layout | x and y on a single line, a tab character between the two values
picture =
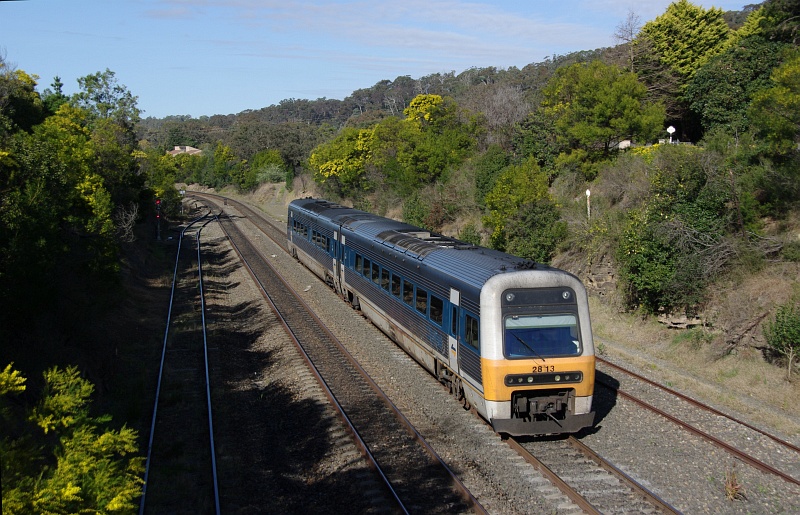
671	131
588	204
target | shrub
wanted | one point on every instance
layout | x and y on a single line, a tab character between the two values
783	332
470	234
791	252
535	231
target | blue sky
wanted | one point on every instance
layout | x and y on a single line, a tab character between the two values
205	57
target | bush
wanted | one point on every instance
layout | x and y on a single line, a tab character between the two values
470	234
535	231
783	333
791	252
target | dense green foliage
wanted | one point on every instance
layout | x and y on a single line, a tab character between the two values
783	333
57	458
70	195
596	106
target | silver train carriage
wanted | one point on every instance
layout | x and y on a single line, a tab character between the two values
510	337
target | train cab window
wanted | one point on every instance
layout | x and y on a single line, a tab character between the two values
359	264
541	336
437	309
395	285
376	273
367	266
422	301
385	279
408	293
471	334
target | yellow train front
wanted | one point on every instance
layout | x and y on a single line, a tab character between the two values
537	355
510	337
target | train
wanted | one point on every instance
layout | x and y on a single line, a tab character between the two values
509	337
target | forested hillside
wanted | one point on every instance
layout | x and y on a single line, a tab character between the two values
505	157
664	171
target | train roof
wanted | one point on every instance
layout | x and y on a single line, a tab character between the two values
461	259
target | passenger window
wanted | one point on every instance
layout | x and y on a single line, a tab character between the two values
437	309
376	273
471	336
422	301
358	263
385	279
395	285
366	267
408	293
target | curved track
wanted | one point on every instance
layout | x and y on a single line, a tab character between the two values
418	479
603	486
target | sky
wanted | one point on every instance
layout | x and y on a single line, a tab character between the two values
207	57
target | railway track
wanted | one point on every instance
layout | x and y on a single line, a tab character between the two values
564	462
742	440
589	480
593	484
418	479
180	471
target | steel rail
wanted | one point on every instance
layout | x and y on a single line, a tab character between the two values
559	483
699	404
651	497
458	485
208	380
758	464
161	365
360	443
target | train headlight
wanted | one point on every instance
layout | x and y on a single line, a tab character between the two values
544	378
565	295
509	297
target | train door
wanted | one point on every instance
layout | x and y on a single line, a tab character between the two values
452	337
339	261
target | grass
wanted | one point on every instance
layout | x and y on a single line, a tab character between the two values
734	490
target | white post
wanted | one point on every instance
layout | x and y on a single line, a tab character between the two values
588	205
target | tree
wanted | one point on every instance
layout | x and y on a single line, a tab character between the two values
673	245
104	98
535	231
53	98
517	185
595	106
686	36
783	333
722	90
266	166
625	34
20	104
343	160
56	458
776	110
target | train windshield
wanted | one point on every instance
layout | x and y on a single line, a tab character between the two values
541	336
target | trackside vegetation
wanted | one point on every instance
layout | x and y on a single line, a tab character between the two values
671	161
